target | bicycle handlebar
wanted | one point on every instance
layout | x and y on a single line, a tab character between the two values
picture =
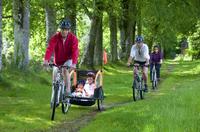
61	66
135	65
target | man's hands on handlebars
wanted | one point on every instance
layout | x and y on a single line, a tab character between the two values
46	65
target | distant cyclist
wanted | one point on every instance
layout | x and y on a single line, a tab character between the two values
156	59
140	54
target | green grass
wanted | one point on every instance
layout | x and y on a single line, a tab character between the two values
25	99
173	108
25	102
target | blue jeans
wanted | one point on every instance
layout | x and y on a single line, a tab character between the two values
157	66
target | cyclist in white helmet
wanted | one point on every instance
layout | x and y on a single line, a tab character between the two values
140	54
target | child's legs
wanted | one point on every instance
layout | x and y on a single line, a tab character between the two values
158	70
151	68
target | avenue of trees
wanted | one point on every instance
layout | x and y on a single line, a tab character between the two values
27	25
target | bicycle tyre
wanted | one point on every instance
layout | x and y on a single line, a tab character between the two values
54	102
65	106
154	82
134	91
141	94
100	101
141	91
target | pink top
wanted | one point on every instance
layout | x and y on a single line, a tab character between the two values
89	88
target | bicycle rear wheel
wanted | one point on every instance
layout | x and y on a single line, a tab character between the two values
65	106
100	100
54	101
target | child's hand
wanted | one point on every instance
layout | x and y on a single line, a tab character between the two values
86	94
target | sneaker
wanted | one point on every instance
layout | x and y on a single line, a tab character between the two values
145	88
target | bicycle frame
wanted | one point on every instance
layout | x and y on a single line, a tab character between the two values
138	83
58	90
60	83
154	77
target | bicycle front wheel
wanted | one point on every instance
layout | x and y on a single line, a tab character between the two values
154	82
141	91
54	101
135	91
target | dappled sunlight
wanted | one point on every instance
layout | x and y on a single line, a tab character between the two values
149	128
28	120
17	100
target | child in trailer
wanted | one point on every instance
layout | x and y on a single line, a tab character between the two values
79	91
90	85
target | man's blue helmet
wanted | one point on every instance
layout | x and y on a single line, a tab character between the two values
65	24
139	39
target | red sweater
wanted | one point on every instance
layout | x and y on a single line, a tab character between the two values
62	52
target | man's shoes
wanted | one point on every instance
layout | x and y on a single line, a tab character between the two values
145	88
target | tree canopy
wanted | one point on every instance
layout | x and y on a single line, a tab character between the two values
98	24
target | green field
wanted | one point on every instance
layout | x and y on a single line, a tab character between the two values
25	102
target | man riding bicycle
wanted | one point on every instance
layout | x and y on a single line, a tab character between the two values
140	54
64	45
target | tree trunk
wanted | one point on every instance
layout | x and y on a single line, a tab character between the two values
122	40
21	14
123	28
113	37
88	56
98	56
139	17
50	21
131	26
70	12
1	35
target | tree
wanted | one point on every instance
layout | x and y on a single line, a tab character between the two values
131	26
98	56
139	19
70	12
113	30
50	19
96	18
127	26
1	35
195	43
21	12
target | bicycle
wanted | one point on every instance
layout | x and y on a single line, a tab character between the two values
138	83
154	78
59	92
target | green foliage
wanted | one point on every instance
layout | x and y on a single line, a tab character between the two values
163	21
195	43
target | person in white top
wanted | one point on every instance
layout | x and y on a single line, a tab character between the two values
140	54
89	87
